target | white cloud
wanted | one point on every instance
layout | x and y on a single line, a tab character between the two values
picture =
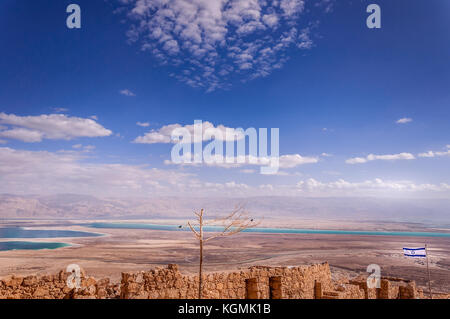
22	134
292	7
127	92
52	126
37	172
427	154
404	120
356	160
435	153
42	172
233	184
143	124
392	157
400	156
280	173
164	134
285	161
213	41
376	185
373	157
270	20
289	161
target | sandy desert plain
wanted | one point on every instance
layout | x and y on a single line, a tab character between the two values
142	249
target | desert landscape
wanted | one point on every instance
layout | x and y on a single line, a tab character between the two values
241	149
125	250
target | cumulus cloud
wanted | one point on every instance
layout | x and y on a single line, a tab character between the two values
289	161
52	126
143	124
43	172
127	92
216	41
368	186
435	153
373	157
36	172
206	129
404	120
22	134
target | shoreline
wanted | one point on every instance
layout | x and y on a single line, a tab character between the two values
123	250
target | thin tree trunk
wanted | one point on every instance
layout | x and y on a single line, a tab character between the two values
232	224
200	279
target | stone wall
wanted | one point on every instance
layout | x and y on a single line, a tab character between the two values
258	282
390	288
55	287
254	282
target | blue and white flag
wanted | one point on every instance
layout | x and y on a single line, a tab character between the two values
415	252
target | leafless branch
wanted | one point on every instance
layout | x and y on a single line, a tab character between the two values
231	224
193	230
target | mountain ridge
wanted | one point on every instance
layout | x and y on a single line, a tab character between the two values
76	206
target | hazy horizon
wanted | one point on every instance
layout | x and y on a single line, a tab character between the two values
356	209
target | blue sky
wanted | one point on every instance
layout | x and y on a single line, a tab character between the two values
334	88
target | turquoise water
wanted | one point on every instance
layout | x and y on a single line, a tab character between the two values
272	230
28	245
19	232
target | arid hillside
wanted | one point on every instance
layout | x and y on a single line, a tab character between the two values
71	206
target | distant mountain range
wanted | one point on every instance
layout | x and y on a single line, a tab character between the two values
72	206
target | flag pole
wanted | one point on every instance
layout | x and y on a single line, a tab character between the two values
428	270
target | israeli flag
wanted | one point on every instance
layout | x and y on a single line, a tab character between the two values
415	252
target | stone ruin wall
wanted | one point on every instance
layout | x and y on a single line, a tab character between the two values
252	283
258	282
55	287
